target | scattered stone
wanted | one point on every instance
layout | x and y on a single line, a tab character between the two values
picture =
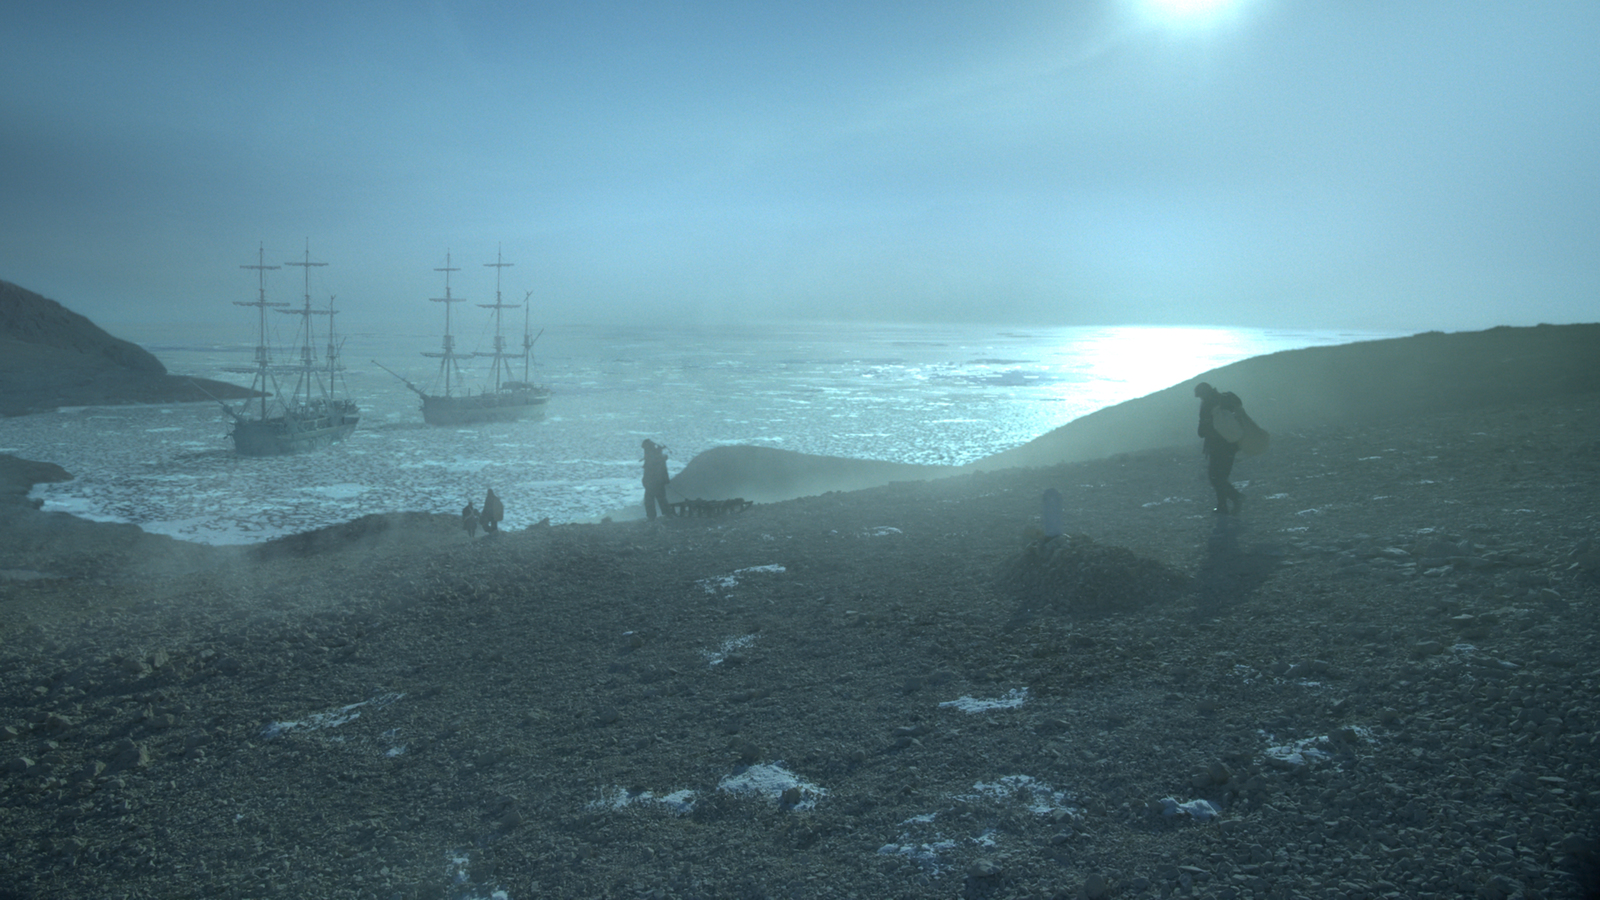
984	868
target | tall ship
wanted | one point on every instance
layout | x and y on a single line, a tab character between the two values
312	415
503	398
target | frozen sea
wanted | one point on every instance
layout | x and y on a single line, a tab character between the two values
915	394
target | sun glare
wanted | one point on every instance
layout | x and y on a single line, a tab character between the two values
1180	13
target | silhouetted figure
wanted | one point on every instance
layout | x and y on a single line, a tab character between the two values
1220	449
469	519
655	479
492	513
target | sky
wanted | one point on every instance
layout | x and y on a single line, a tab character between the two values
1266	163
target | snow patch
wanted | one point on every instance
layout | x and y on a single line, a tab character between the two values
1012	699
333	718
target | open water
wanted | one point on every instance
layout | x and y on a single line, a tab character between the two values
915	394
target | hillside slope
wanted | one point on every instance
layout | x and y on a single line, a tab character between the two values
1367	381
51	356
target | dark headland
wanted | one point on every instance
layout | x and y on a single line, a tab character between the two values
1378	682
52	357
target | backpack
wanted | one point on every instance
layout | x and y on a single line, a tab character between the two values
1228	423
1255	439
1236	427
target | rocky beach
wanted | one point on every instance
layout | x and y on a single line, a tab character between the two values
1378	681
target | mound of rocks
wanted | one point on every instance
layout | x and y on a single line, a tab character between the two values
1074	574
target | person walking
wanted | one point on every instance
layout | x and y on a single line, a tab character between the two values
1220	430
655	479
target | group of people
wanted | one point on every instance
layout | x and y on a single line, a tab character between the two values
655	495
489	517
1221	416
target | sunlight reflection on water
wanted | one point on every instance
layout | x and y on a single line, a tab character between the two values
917	394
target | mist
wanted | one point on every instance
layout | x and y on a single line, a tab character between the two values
1258	164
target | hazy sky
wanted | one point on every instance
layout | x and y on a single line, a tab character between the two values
1296	163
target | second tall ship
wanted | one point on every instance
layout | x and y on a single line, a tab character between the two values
503	398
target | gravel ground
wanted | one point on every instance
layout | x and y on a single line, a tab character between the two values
1379	681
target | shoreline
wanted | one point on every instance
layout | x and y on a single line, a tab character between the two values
1364	380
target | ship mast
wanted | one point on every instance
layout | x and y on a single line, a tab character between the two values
448	357
499	339
263	368
527	342
308	365
333	347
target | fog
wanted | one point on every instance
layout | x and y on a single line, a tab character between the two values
1259	162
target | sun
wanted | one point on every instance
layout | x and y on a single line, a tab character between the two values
1179	13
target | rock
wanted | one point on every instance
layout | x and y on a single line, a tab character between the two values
90	771
984	868
55	723
129	756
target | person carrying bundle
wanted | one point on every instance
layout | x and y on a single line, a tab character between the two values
1226	429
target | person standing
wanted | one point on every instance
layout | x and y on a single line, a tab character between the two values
1220	448
493	512
469	520
655	479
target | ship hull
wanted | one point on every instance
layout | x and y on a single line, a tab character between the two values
495	406
294	433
